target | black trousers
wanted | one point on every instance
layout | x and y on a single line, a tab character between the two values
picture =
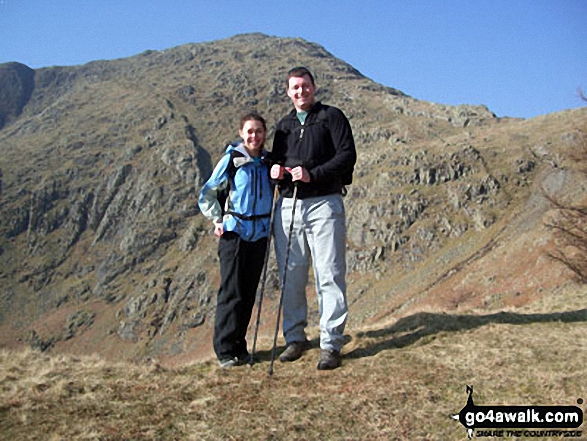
241	264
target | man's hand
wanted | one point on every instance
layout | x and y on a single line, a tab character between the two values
218	229
277	172
299	174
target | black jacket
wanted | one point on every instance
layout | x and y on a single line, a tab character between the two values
324	146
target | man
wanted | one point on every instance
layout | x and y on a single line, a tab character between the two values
313	150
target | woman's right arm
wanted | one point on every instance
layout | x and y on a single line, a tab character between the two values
208	201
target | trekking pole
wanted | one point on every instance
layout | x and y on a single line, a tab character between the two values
291	225
264	277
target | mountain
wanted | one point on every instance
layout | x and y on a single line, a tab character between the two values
102	246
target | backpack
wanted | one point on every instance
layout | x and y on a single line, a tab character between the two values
222	196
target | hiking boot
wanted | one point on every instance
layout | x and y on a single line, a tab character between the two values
245	358
294	351
329	359
226	363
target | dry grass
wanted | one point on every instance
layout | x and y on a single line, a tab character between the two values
400	382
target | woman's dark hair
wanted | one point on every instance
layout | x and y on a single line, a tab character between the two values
299	72
255	117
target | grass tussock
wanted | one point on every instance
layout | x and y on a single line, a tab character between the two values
396	383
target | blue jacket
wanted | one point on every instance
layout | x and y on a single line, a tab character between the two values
248	205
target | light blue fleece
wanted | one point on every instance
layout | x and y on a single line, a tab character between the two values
250	195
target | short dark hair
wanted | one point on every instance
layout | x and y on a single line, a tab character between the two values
299	72
255	117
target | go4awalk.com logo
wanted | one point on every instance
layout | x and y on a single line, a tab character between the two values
520	421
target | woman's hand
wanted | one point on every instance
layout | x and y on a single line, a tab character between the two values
218	229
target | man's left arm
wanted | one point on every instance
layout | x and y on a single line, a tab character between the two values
345	155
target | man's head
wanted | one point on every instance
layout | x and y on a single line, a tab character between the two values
301	88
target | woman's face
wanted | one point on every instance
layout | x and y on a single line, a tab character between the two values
253	135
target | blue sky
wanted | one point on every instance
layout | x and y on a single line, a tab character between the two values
519	58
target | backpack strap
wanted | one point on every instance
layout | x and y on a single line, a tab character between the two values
224	195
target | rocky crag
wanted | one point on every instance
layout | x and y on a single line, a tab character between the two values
102	246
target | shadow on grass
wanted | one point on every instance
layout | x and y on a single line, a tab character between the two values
409	330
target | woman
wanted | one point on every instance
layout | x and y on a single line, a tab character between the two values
238	198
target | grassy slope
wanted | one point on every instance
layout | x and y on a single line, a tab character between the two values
403	381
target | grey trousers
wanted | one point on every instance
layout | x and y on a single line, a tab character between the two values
319	236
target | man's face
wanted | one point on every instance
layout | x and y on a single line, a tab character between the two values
301	91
